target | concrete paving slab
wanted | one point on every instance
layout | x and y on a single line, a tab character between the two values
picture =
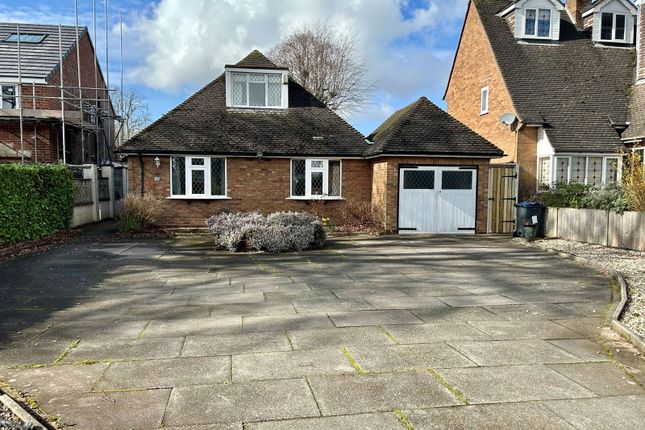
29	353
504	330
405	357
43	383
532	311
585	349
194	327
368	318
513	352
369	393
366	293
227	426
284	323
476	300
291	364
287	296
587	327
126	349
166	312
94	330
513	384
604	379
224	299
624	412
337	337
244	309
430	333
207	346
110	411
449	314
167	373
427	302
374	421
251	401
319	305
276	288
487	417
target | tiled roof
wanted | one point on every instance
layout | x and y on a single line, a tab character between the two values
37	60
422	128
577	90
203	124
636	129
256	60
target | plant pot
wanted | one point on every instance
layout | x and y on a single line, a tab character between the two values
529	231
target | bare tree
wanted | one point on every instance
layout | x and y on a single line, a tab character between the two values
133	110
328	65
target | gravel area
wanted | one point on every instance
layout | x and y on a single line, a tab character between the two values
630	263
6	417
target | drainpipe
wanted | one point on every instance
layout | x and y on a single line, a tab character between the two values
141	173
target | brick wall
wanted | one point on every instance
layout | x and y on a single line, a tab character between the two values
527	161
640	35
253	184
474	68
42	133
385	186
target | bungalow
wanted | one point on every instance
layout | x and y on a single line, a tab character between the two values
254	139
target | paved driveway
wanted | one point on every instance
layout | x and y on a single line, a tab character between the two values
368	334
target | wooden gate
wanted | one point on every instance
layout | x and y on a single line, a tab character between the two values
502	196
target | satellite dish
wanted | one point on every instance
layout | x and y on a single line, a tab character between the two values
507	118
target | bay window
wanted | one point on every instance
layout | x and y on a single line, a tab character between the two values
589	170
315	178
198	177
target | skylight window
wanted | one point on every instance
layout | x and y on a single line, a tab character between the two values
25	38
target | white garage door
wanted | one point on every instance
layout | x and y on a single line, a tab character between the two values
437	200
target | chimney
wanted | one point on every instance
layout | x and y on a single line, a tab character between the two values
574	7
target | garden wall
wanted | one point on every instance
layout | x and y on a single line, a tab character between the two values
601	227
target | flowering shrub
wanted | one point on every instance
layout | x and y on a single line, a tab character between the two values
279	232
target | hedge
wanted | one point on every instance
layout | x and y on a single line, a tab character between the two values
35	200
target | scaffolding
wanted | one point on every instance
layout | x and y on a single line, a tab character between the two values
74	110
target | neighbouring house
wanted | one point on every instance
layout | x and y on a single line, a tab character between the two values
50	113
551	83
253	139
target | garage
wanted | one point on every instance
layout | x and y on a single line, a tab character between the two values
435	199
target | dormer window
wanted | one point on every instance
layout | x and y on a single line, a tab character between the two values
613	27
537	23
256	89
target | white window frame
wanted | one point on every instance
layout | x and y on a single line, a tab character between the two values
614	27
309	169
16	95
284	79
550	173
537	20
605	158
484	110
188	184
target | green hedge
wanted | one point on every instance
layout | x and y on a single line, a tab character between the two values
35	200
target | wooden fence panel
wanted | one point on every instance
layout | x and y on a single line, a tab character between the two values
597	226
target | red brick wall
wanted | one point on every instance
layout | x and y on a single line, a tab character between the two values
475	67
385	186
253	184
43	134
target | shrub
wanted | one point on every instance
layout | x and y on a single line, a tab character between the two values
634	182
361	217
279	232
608	197
140	212
36	200
565	195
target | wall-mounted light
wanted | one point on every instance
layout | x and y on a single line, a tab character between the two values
157	162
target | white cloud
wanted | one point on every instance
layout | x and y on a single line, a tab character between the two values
185	44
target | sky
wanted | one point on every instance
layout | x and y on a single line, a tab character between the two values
171	48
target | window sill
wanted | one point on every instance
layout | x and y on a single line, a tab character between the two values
315	198
198	198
